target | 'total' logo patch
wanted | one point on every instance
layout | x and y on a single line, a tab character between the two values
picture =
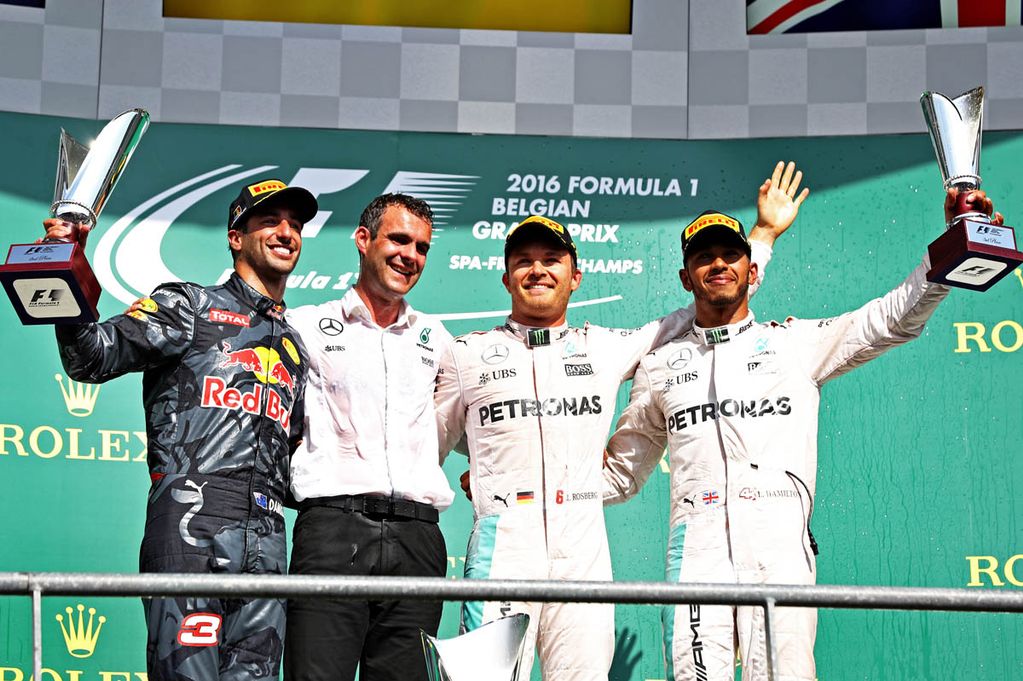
227	317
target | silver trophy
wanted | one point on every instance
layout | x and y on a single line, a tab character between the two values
86	175
493	652
972	253
52	282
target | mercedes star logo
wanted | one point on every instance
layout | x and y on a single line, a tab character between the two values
495	354
331	326
680	359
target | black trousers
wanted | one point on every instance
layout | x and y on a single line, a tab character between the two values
327	639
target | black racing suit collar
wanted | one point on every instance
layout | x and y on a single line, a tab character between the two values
536	336
264	305
722	334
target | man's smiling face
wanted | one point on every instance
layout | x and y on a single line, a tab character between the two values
540	277
718	274
393	261
269	242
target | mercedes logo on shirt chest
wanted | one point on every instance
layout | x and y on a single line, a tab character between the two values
495	354
331	326
680	359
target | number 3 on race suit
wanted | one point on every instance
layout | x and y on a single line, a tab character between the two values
199	629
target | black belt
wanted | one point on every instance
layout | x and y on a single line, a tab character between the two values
374	505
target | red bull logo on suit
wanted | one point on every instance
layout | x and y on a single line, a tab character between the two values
266	365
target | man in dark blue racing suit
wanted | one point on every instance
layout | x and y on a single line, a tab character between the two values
223	380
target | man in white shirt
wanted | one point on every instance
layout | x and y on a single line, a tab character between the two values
366	478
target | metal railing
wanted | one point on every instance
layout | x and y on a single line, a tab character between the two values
769	597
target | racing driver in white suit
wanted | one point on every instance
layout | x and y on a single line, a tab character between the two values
534	399
736	402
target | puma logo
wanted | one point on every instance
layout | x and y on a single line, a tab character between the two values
689	501
503	500
195	498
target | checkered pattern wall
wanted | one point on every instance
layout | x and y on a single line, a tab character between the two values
840	83
687	71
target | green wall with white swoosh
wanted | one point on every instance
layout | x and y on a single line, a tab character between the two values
919	472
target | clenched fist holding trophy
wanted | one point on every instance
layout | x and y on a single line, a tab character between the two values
51	282
974	252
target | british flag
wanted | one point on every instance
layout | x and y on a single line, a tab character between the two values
815	16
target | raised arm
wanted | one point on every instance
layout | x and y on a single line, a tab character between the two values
161	329
839	344
778	203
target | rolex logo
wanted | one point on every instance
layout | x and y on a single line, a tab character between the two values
79	637
80	398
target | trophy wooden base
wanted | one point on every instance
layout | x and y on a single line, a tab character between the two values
973	254
51	283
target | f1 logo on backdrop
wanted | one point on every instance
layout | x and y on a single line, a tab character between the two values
127	260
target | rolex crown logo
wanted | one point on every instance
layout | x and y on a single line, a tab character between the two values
80	637
80	398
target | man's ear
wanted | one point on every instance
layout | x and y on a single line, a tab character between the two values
362	239
505	281
683	276
234	239
577	279
754	274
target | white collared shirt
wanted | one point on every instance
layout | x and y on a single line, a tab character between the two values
370	424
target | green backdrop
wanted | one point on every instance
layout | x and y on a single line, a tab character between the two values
918	479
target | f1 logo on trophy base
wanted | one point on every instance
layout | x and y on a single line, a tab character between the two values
972	253
51	282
